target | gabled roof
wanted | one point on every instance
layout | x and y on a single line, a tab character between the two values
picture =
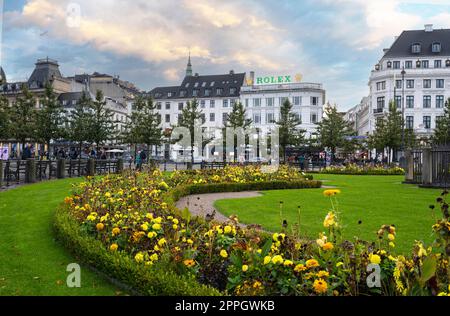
203	84
402	46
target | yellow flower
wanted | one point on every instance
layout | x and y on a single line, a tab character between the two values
392	245
313	263
267	260
151	235
107	195
114	247
144	227
154	257
190	241
323	274
374	259
300	268
189	263
116	231
391	237
162	242
277	259
328	246
175	221
339	264
175	227
320	286
100	226
156	227
329	193
139	257
244	268
228	229
330	220
224	253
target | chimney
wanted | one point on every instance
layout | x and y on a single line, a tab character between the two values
428	28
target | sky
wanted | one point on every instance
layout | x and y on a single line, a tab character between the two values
147	42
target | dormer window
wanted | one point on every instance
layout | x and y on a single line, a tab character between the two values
233	91
436	47
416	48
183	93
389	64
418	64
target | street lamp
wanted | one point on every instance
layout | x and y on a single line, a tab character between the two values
403	108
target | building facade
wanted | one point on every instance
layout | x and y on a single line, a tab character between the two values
359	117
216	94
415	74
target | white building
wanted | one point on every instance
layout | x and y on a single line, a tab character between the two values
360	118
261	96
415	74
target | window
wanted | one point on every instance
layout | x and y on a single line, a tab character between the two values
381	85
282	100
158	106
225	103
246	103
409	84
224	118
169	95
427	122
425	64
315	100
438	64
439	101
180	119
196	85
439	83
187	85
195	93
427	101
167	118
212	104
203	118
232	102
396	65
167	105
436	48
427	83
257	102
398	84
409	122
64	102
410	101
380	103
408	64
233	91
203	104
270	102
203	84
257	118
212	84
389	64
219	91
297	101
183	93
270	118
212	117
207	92
398	101
416	48
314	118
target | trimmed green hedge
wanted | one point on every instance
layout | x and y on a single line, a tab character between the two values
154	281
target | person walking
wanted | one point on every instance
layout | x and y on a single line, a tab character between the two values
138	161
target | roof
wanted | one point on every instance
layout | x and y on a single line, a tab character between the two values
46	70
402	46
203	84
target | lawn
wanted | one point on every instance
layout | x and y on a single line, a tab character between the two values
374	200
32	263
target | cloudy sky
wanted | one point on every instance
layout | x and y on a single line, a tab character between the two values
335	42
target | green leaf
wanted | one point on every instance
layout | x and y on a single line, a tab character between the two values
266	249
186	215
428	269
236	260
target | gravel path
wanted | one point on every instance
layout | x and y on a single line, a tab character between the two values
203	205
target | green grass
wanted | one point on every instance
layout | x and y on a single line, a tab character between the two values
375	200
31	262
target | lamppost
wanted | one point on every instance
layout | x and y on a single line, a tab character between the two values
403	109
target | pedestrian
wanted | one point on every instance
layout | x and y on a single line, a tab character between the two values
138	161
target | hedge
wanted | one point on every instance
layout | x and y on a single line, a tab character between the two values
154	281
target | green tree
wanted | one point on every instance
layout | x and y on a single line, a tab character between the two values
149	129
377	140
395	136
131	133
50	119
5	119
289	133
102	124
80	121
442	132
190	118
235	120
23	118
333	131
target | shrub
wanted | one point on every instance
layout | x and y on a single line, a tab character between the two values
368	170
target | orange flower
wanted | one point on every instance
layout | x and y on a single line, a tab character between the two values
100	226
189	263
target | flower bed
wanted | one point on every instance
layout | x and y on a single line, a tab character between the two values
356	170
128	227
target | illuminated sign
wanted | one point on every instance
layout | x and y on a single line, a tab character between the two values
275	80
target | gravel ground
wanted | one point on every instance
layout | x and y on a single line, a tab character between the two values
203	205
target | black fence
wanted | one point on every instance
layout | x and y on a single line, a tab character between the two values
429	167
17	172
440	167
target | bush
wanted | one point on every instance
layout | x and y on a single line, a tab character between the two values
369	170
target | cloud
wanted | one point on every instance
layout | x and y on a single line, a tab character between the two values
172	74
